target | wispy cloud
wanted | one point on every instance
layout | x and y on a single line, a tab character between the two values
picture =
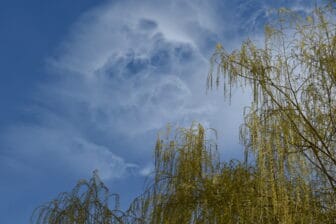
61	149
124	71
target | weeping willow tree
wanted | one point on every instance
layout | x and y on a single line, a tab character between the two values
88	203
290	126
191	185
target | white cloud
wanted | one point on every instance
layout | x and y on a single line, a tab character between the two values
139	78
147	170
124	71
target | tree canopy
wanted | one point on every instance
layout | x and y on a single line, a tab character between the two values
290	125
191	185
87	203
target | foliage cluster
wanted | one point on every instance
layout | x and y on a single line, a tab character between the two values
88	202
293	80
190	185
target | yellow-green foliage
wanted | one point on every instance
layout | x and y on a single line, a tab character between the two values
290	126
192	186
86	204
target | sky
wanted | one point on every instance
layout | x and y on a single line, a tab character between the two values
88	85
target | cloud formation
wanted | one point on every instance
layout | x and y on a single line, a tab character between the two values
124	71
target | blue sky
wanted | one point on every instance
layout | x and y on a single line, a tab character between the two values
87	85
